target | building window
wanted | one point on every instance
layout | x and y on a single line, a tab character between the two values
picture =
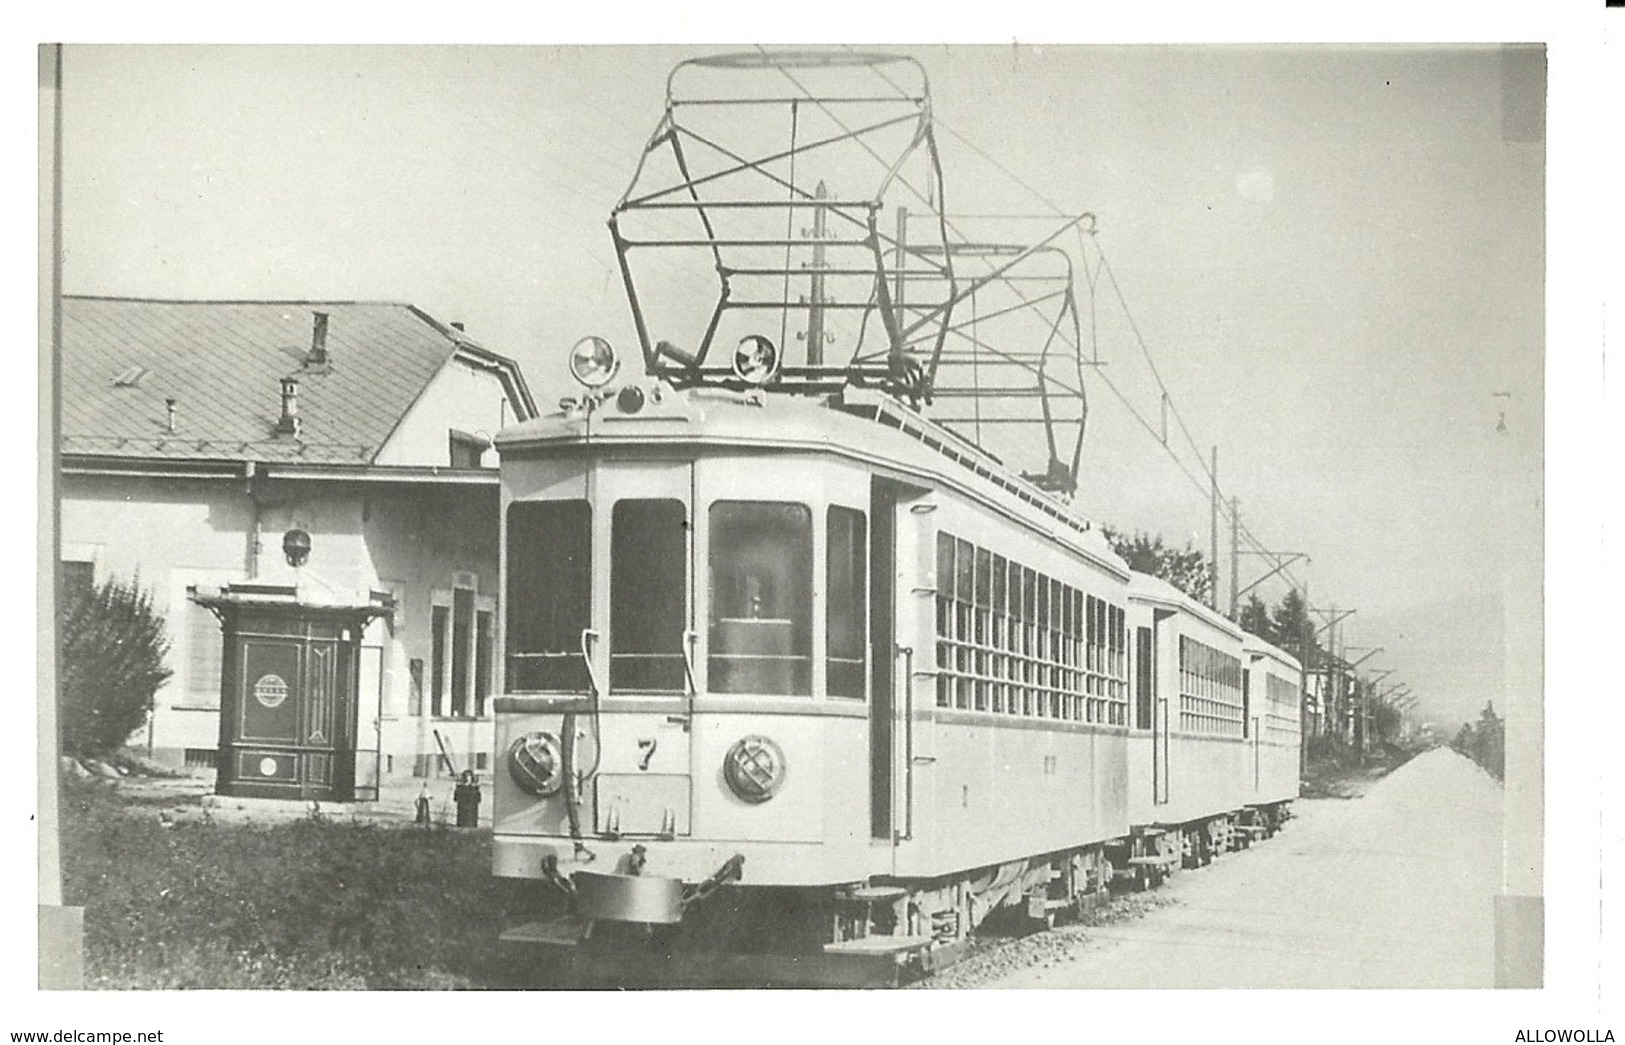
846	609
437	684
761	558
204	643
466	450
200	757
482	660
462	648
648	596
549	595
462	674
76	576
414	697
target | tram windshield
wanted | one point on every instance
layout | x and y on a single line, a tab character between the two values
761	559
549	596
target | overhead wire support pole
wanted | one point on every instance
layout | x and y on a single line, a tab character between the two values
1371	651
1213	532
1282	561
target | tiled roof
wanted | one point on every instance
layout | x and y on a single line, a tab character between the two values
223	362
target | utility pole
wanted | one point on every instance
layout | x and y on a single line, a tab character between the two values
1235	553
1337	704
61	929
1213	532
815	299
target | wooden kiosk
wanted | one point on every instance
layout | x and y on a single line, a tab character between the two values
289	686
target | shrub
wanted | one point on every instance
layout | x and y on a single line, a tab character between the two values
113	646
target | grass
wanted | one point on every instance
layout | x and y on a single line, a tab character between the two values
306	905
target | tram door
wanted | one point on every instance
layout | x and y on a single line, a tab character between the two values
1150	641
883	503
641	646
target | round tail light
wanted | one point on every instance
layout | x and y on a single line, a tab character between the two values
754	768
536	763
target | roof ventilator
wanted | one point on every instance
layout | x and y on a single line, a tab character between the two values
288	423
317	356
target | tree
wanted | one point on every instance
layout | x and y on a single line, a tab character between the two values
1255	620
1485	742
1294	631
1489	742
1147	553
113	646
1386	722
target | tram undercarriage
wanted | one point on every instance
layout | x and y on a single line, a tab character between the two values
629	930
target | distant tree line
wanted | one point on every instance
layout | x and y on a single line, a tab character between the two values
1484	741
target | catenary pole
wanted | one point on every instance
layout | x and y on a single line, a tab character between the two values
1213	532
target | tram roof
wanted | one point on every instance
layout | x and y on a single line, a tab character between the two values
863	426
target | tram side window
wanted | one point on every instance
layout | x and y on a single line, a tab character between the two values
945	616
845	616
648	596
549	595
761	558
1143	665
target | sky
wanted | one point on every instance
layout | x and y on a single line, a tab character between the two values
1333	255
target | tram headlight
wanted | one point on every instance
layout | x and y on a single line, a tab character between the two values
593	362
756	360
630	399
536	763
754	769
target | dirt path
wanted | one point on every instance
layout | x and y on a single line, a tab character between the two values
1390	890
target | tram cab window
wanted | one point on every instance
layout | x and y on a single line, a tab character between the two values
761	565
845	613
549	595
648	596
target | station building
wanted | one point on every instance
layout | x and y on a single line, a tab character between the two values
195	434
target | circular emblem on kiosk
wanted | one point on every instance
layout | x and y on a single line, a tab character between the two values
271	691
267	767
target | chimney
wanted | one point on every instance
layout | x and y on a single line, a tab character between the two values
457	325
317	356
169	420
288	423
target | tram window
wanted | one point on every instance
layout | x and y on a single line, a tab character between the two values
648	595
761	598
964	571
1142	678
1246	702
845	617
549	595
